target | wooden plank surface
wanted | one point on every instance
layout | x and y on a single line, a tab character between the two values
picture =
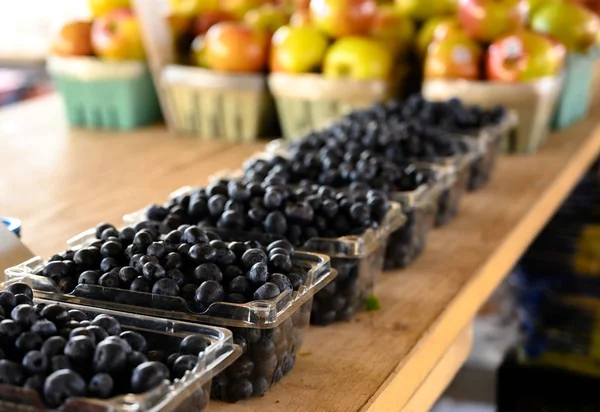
60	182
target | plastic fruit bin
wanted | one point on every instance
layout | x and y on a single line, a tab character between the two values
307	102
269	332
105	95
409	241
358	260
574	101
533	103
216	105
191	392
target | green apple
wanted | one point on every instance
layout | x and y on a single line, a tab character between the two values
572	24
297	49
434	29
422	10
358	58
393	28
267	17
454	57
339	18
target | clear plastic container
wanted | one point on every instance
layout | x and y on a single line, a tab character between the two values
358	259
409	241
280	321
191	392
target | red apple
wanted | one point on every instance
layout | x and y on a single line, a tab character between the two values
339	18
487	20
524	56
393	28
206	20
117	36
572	24
300	18
592	5
74	39
453	57
235	47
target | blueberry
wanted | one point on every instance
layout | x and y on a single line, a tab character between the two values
202	253
157	212
109	357
156	249
24	315
54	345
240	389
296	280
276	223
225	257
28	341
241	284
111	249
87	257
148	375
135	340
128	274
216	204
282	282
231	272
194	235
7	301
235	298
174	237
208	271
35	362
278	251
266	292
253	256
20	287
35	382
209	292
253	244
140	285
142	240
272	199
61	385
126	235
9	331
101	227
108	323
173	261
153	272
281	244
241	369
81	331
56	270
21	299
43	327
135	358
330	208
97	332
77	315
11	373
79	349
231	219
238	248
101	386
193	345
280	263
182	364
56	314
107	264
260	385
188	291
109	280
166	287
259	272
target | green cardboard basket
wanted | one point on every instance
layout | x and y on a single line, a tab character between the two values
575	99
105	95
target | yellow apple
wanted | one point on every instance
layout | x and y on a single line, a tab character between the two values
422	10
358	58
238	8
266	17
117	36
192	8
434	29
100	7
297	49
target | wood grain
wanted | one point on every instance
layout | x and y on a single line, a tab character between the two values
60	182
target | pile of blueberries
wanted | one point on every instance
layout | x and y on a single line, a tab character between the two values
60	353
186	263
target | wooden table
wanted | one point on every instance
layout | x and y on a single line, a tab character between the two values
60	182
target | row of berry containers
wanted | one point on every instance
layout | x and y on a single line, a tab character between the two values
164	336
358	259
269	332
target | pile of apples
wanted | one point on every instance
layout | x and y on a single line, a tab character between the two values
351	39
507	40
113	34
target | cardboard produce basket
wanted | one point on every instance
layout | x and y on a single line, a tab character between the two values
106	95
211	104
310	101
534	103
575	99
